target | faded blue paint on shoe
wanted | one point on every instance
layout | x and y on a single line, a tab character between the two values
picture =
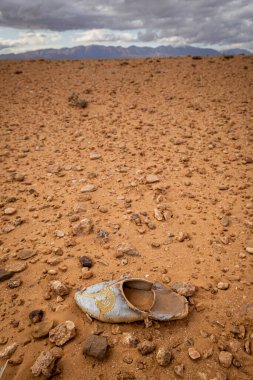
130	300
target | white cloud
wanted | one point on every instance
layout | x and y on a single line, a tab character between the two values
29	40
104	36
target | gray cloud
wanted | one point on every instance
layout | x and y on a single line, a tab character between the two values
211	22
4	46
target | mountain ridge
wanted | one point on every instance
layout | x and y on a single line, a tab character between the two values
119	52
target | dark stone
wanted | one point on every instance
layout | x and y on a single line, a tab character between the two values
5	275
95	346
146	347
36	316
86	261
25	254
15	283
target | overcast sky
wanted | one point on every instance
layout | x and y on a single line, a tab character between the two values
38	24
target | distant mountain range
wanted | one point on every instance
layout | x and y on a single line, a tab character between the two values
116	52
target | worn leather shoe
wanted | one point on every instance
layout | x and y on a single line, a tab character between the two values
130	300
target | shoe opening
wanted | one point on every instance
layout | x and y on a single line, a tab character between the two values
139	293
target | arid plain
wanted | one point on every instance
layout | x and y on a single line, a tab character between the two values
160	160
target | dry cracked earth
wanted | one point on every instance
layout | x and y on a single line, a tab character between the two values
159	162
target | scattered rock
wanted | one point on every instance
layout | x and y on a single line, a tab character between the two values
95	156
45	364
59	233
17	267
247	347
246	311
95	346
130	340
36	316
185	289
89	188
62	333
126	249
26	254
84	227
249	250
163	356
41	330
152	178
59	288
85	261
8	351
225	221
86	273
10	211
179	370
193	353
225	359
238	331
5	275
52	272
158	214
146	347
223	285
182	236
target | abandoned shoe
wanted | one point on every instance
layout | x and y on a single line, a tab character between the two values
130	300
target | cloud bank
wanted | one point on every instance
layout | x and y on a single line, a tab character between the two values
208	23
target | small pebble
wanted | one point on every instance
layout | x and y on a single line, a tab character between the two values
225	359
193	353
163	356
85	261
223	285
36	316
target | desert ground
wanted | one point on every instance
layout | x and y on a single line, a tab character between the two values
159	161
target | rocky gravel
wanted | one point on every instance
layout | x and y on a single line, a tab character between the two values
151	179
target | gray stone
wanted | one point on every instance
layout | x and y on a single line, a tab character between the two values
26	254
5	275
95	346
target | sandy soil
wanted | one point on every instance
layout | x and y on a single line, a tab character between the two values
187	121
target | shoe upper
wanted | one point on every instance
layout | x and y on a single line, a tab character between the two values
130	300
